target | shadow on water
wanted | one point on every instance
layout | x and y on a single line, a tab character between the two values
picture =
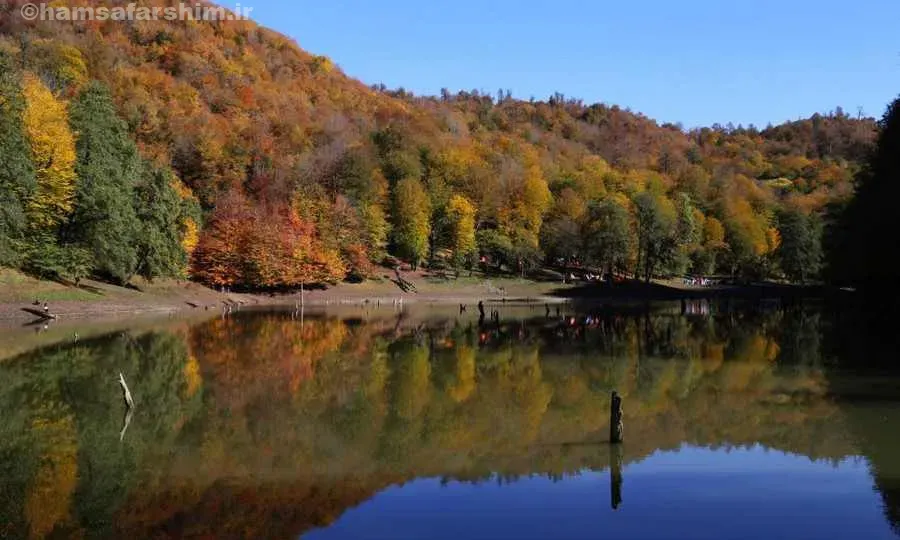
265	425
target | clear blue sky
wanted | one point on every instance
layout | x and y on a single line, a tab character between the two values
691	61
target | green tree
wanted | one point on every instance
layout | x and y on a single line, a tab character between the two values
800	252
864	252
45	257
17	180
607	235
496	245
561	238
108	165
687	233
163	215
656	231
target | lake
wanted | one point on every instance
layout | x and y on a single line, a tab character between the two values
740	421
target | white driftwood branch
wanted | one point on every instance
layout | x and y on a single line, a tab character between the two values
126	391
126	423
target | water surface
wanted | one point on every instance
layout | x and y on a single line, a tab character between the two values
739	423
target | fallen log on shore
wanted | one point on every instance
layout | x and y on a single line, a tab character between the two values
43	315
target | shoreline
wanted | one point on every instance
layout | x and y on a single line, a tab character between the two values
21	296
95	301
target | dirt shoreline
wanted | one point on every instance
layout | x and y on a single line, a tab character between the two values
94	301
21	297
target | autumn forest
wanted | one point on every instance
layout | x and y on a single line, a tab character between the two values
225	153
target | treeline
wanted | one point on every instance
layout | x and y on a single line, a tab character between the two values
76	198
863	241
305	175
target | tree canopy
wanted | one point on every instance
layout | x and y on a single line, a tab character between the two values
229	112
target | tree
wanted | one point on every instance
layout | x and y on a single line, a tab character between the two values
800	252
166	220
262	246
282	251
749	237
104	220
713	243
53	154
561	238
561	234
607	235
17	180
461	217
687	233
656	231
864	253
495	245
218	258
373	215
527	196
412	220
46	258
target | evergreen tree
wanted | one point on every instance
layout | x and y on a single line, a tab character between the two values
104	220
162	214
800	252
17	181
865	252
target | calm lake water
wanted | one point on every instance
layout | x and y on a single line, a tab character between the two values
739	423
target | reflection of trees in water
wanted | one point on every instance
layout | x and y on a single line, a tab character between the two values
876	429
60	451
260	425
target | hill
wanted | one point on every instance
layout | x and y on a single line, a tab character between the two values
237	157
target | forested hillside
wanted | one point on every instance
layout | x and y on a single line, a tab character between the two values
223	150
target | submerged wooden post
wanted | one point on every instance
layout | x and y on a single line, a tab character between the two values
615	476
615	419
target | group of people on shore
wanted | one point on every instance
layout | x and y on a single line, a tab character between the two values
691	281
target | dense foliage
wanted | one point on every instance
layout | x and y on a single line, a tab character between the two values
77	196
327	175
863	241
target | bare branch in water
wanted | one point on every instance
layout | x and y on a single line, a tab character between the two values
126	391
127	422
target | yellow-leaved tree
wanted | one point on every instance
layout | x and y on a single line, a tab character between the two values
462	212
53	153
412	220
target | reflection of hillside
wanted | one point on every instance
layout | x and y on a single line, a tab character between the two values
266	426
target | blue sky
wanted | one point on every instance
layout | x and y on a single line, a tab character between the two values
695	61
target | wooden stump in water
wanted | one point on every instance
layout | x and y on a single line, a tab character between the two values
616	426
615	476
